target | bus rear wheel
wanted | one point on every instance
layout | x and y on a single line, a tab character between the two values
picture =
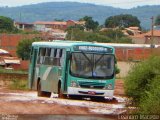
42	93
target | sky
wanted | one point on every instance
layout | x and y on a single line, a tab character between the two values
126	4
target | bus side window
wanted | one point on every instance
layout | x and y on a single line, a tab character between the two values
55	52
38	60
57	58
47	56
41	55
52	56
62	53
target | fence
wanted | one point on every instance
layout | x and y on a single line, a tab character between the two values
135	54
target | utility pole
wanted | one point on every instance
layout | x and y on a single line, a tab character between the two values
72	34
152	25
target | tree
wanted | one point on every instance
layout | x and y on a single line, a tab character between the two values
24	48
116	36
90	23
113	34
79	35
6	24
157	20
122	21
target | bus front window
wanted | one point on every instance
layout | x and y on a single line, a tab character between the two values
89	65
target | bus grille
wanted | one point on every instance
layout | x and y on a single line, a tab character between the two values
91	85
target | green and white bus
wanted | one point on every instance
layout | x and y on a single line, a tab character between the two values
72	68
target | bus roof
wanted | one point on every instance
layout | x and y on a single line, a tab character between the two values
65	43
121	45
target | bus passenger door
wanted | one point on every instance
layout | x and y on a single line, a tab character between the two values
32	67
68	55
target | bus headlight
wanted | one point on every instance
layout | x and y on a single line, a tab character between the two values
109	87
73	84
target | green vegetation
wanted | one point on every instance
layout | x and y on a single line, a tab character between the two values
19	84
143	85
114	36
90	24
150	103
16	82
122	21
27	32
157	20
24	48
2	70
7	25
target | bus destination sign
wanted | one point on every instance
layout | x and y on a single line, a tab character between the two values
93	49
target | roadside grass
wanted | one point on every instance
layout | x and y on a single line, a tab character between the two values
2	70
17	84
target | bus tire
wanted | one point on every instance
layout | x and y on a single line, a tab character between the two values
47	94
97	99
75	97
60	94
42	93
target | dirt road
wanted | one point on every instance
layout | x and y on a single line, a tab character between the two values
26	104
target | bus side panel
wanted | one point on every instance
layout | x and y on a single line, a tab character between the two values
49	78
53	79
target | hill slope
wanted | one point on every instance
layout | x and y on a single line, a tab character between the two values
73	10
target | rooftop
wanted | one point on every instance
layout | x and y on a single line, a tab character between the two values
155	33
50	23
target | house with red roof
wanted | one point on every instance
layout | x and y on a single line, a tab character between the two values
51	25
155	39
56	29
24	26
146	38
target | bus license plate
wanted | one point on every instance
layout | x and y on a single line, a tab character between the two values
91	92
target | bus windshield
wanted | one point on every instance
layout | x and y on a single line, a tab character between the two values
92	65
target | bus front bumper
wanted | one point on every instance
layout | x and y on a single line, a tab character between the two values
90	92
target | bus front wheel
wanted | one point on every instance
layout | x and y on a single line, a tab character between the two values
97	99
60	93
42	93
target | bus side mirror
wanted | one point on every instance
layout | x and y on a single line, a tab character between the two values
117	70
115	60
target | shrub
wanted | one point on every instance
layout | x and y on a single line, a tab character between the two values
139	80
150	102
